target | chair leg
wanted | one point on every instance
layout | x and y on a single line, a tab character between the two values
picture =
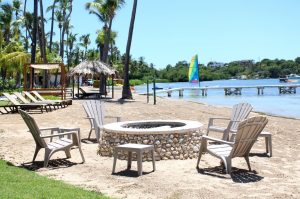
267	144
270	145
227	163
139	163
97	131
68	153
48	154
83	160
153	160
90	133
202	150
129	159
115	160
37	149
248	162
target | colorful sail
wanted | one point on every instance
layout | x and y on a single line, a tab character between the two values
194	70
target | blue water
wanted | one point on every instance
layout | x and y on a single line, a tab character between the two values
271	102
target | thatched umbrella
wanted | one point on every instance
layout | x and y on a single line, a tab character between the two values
92	68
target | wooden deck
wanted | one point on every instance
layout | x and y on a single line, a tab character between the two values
231	90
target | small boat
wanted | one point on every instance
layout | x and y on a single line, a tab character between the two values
290	78
293	76
157	88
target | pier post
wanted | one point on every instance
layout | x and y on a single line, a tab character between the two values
180	93
169	93
154	92
204	92
260	90
147	91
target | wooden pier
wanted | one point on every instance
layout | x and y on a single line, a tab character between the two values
231	90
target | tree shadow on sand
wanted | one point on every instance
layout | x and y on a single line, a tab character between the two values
53	164
237	175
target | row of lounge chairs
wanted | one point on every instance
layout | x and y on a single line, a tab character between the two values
37	102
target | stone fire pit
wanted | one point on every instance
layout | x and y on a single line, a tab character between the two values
172	139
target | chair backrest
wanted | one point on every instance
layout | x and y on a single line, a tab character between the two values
21	97
82	90
33	128
239	113
30	96
38	95
95	109
11	99
247	134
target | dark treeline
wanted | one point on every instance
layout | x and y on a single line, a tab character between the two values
237	69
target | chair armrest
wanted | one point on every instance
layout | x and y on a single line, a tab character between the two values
219	118
117	117
49	128
59	134
217	140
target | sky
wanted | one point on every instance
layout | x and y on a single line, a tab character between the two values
166	31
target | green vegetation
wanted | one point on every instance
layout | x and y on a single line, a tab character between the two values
179	73
21	183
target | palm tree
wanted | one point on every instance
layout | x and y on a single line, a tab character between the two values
85	41
14	56
6	18
34	31
66	9
105	10
52	8
126	92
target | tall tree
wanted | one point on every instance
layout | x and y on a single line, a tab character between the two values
126	92
34	31
85	41
105	11
66	8
6	18
52	8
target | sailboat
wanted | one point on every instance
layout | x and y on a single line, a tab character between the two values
194	70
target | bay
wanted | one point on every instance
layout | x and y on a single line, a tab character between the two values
271	102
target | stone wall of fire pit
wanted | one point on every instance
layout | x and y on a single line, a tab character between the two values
171	141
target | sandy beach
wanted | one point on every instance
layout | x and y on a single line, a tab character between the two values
275	177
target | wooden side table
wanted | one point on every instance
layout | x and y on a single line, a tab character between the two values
139	149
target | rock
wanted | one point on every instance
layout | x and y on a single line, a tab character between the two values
145	141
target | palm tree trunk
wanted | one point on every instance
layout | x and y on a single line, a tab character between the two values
126	92
106	42
52	26
34	38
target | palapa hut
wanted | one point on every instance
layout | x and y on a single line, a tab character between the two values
94	68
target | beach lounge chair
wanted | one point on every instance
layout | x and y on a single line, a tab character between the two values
25	101
50	102
95	113
239	113
87	94
64	102
30	106
247	133
60	144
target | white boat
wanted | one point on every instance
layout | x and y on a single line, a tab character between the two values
293	76
290	78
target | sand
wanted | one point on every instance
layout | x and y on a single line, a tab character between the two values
275	177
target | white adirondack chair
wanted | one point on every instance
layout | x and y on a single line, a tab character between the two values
247	133
239	113
95	113
60	144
